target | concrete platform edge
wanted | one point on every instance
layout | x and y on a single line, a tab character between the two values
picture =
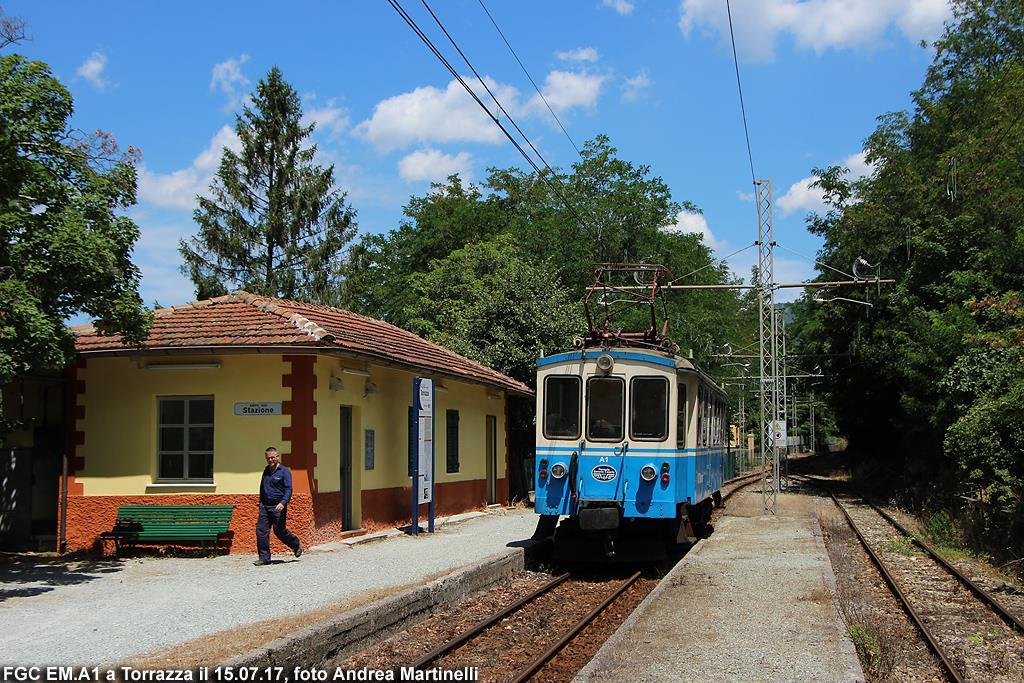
845	642
326	642
622	638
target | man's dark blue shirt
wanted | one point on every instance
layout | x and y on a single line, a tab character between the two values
276	486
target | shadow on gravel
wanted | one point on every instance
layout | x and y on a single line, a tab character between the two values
48	572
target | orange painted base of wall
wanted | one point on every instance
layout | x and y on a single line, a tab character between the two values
386	508
314	519
90	516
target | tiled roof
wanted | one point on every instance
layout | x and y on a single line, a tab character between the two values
244	319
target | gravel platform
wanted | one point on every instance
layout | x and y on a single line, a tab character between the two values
102	612
754	602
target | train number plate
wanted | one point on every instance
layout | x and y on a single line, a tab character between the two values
603	473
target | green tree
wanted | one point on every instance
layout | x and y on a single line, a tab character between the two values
65	248
934	367
618	211
276	223
487	302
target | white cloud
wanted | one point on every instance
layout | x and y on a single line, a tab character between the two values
695	223
745	196
623	7
801	194
432	115
580	54
565	90
816	24
434	166
429	114
633	87
178	189
92	70
227	77
330	118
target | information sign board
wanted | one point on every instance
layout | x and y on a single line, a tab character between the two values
779	433
425	437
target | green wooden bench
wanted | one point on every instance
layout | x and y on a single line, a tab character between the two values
169	524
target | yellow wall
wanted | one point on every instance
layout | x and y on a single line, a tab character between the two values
386	413
121	434
120	419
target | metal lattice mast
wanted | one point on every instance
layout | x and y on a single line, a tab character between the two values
768	345
814	444
783	400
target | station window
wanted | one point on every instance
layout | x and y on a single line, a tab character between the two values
648	413
451	441
606	408
562	407
681	416
185	438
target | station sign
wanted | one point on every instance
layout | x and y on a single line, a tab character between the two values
250	409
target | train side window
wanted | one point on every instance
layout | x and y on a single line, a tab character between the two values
648	412
701	417
681	408
562	407
606	408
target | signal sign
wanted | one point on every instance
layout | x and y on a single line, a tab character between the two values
779	433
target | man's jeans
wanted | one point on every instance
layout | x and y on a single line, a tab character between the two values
269	517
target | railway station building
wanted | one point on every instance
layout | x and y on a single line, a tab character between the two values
185	419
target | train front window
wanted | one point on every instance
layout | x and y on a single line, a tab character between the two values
648	413
606	408
562	407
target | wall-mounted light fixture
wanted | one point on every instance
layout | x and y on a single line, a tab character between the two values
336	384
183	366
370	389
357	373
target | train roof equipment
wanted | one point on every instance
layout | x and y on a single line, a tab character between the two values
613	298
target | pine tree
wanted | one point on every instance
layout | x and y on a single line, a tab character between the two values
275	223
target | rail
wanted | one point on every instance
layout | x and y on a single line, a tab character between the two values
543	658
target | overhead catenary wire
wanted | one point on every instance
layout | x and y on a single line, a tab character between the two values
486	87
820	263
528	76
739	87
437	53
716	261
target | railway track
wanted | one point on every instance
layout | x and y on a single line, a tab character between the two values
495	620
971	633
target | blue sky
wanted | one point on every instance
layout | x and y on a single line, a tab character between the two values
657	77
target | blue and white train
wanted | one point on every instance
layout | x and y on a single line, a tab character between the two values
631	449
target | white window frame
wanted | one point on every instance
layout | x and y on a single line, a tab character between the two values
185	452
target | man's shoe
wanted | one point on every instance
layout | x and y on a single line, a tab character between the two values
298	552
262	563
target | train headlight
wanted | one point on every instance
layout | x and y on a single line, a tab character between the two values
648	473
605	363
558	470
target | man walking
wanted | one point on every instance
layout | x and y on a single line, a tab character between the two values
275	492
